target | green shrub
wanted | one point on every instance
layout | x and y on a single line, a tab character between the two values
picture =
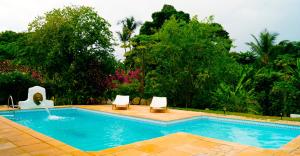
15	84
237	97
131	89
235	100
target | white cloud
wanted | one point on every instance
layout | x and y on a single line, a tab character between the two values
239	17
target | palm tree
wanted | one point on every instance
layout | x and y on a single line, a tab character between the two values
263	45
129	25
296	73
124	37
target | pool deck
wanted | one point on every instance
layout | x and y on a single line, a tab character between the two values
19	140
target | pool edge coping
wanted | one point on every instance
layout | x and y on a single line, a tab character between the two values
290	146
233	118
40	136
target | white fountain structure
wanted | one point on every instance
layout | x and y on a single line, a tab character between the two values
30	104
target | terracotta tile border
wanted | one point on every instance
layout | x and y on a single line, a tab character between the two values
34	143
137	116
195	114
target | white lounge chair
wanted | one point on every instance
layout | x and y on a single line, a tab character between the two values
29	103
121	101
158	103
295	115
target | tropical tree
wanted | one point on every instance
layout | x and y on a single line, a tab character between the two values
11	44
159	18
129	25
296	74
296	83
124	38
238	97
264	80
244	58
73	49
263	46
196	59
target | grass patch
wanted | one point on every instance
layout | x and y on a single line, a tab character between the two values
273	118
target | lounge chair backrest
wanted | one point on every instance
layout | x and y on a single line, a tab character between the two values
121	100
158	102
36	89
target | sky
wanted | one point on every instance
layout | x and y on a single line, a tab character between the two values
240	18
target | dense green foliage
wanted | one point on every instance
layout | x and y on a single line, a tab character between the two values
15	84
10	44
72	48
187	60
183	61
263	46
71	45
149	28
129	25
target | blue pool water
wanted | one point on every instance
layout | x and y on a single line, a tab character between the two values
92	131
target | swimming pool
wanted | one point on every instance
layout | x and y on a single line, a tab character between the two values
92	130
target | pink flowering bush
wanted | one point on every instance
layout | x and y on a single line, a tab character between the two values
122	77
123	82
7	67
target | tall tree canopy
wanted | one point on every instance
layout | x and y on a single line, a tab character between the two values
149	28
263	45
183	60
10	44
69	51
73	48
173	52
129	25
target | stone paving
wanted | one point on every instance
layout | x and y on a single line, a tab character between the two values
18	140
144	112
171	114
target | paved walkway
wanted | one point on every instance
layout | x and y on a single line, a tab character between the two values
144	112
172	114
16	139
